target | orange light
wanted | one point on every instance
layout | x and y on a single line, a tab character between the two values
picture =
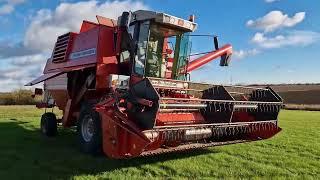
114	82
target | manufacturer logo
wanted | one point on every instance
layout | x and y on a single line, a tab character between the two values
81	54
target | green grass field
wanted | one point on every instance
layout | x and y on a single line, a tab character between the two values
26	154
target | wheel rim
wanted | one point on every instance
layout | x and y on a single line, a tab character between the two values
87	128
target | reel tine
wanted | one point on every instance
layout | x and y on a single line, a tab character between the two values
222	132
219	131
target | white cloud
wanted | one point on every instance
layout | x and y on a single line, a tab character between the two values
270	1
9	6
21	70
6	9
47	25
295	38
15	1
29	60
25	60
275	20
9	49
240	54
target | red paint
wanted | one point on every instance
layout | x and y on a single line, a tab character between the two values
197	63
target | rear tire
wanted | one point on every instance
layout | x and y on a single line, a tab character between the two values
89	130
49	124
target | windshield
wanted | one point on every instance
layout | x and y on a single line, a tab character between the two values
161	51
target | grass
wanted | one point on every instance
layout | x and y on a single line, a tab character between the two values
25	154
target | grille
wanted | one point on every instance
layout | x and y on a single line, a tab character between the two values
61	48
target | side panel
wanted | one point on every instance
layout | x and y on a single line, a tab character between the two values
83	52
107	62
57	87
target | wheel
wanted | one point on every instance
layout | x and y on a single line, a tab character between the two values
89	130
49	124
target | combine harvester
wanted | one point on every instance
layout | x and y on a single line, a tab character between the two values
124	84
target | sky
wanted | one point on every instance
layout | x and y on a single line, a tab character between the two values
274	41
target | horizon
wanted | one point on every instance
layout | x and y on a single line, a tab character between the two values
275	43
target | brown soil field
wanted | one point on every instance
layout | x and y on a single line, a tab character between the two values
301	97
299	93
295	87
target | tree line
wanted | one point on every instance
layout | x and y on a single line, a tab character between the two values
17	97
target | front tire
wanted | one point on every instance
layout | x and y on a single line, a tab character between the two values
49	124
89	130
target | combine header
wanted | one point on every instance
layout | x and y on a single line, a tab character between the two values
124	84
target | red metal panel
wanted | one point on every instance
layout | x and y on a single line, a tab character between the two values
179	118
87	25
107	21
109	66
83	41
106	59
106	43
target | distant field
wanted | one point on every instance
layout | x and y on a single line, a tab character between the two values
25	154
299	94
301	97
295	87
308	107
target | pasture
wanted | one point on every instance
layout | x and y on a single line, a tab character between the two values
26	154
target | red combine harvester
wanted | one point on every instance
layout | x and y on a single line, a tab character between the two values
124	84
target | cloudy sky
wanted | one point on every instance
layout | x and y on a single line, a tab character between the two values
275	41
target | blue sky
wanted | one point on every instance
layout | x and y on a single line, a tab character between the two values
274	41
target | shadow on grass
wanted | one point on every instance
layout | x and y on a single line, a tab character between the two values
24	150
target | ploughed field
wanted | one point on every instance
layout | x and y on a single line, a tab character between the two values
299	93
26	154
